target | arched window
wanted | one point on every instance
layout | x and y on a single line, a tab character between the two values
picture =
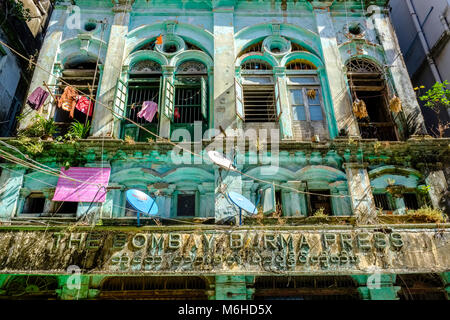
368	85
81	74
306	100
144	90
257	92
191	96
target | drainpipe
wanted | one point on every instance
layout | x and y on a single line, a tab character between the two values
423	41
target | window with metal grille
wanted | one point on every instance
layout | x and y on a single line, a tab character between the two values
256	65
34	204
186	205
421	287
188	103
320	199
410	200
299	64
306	288
256	47
382	201
155	288
297	47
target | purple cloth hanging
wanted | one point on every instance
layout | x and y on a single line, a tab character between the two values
37	98
148	111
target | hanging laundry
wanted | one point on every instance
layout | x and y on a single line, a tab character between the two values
85	105
176	113
68	100
37	98
148	111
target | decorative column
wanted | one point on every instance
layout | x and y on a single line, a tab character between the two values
224	73
103	118
377	286
11	181
438	188
47	58
360	191
398	71
206	190
285	118
340	202
334	70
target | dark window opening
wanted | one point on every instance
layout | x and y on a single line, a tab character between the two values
83	77
421	287
367	84
170	48
305	288
64	208
259	103
154	288
382	201
320	199
355	29
186	205
34	204
410	200
278	202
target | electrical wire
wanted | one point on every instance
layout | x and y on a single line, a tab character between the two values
167	140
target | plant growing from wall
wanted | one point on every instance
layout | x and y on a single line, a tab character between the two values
15	9
77	130
429	214
438	99
41	128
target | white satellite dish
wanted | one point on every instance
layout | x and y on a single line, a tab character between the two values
221	160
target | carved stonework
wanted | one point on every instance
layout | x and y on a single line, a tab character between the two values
147	66
191	67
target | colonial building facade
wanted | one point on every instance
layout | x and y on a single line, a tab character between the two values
276	86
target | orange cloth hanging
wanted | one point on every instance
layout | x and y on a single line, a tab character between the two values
159	40
68	100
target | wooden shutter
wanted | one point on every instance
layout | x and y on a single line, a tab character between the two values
204	98
169	97
277	99
120	98
268	199
239	100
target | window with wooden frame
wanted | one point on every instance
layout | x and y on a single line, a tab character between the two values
83	77
257	94
190	99
144	86
305	99
63	209
367	84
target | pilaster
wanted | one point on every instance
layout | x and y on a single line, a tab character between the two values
103	118
360	190
377	286
11	181
334	67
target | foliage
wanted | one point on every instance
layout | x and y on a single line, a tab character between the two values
41	128
320	213
438	98
129	140
77	130
12	8
31	146
428	213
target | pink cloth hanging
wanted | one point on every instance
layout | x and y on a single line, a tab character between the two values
148	111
